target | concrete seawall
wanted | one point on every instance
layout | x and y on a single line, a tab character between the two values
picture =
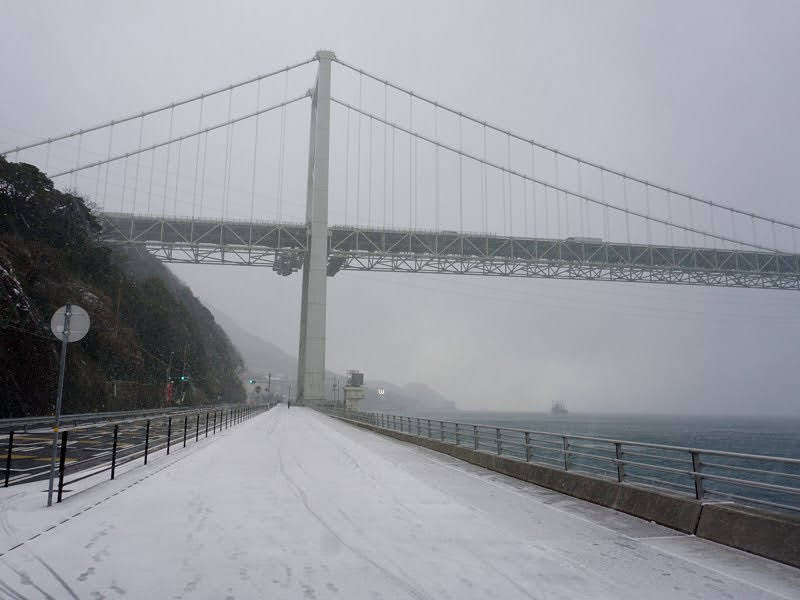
771	535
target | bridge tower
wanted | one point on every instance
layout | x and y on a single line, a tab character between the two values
311	357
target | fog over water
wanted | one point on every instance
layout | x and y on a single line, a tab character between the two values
700	96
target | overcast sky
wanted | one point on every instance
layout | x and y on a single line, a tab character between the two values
702	96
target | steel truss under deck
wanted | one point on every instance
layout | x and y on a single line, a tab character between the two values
183	240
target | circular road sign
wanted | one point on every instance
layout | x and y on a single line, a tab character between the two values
79	323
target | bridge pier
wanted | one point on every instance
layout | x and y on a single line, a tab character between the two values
311	357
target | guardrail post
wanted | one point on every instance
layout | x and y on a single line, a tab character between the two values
418	429
441	430
499	442
429	428
474	437
146	440
527	446
697	467
114	452
394	422
62	461
185	423
197	427
620	465
214	431
8	455
566	452
457	441
169	433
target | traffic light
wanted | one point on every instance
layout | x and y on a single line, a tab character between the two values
184	378
251	381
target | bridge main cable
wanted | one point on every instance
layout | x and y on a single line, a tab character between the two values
504	169
153	111
567	155
183	137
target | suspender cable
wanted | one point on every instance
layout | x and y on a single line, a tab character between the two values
255	162
605	208
228	170
225	171
108	164
394	171
416	182
558	198
177	180
358	142
124	182
369	178
197	156
138	165
436	165
410	161
77	162
525	207
546	214
711	218
733	225
166	171
484	186
187	136
282	156
510	191
150	185
647	211
460	179
774	237
47	159
385	155
547	148
203	177
97	185
503	200
583	208
347	167
165	107
554	188
669	231
627	213
533	186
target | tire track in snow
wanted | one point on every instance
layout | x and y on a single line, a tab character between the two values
298	491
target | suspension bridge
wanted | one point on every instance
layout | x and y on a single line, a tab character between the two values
387	179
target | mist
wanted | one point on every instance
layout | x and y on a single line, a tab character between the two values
699	96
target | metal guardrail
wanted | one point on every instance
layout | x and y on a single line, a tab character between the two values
100	448
708	475
74	419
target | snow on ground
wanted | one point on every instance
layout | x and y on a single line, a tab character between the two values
293	504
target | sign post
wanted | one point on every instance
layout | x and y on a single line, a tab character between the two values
69	324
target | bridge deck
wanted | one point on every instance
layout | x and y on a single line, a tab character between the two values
294	504
178	239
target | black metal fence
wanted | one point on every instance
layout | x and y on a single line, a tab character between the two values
88	450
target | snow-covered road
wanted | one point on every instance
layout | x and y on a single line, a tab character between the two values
293	504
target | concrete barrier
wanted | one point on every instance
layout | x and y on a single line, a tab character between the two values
770	535
767	534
